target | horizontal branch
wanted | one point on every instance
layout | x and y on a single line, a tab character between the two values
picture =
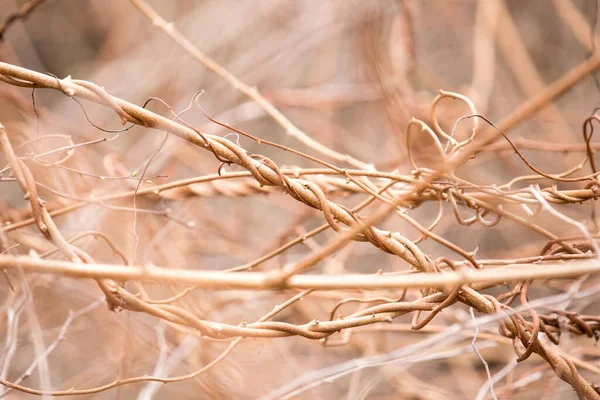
260	280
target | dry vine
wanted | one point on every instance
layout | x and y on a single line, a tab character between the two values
425	286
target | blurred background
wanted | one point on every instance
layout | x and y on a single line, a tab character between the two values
350	74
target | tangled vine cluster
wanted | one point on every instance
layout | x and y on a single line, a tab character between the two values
500	288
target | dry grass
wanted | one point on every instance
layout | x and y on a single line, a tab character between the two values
341	199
